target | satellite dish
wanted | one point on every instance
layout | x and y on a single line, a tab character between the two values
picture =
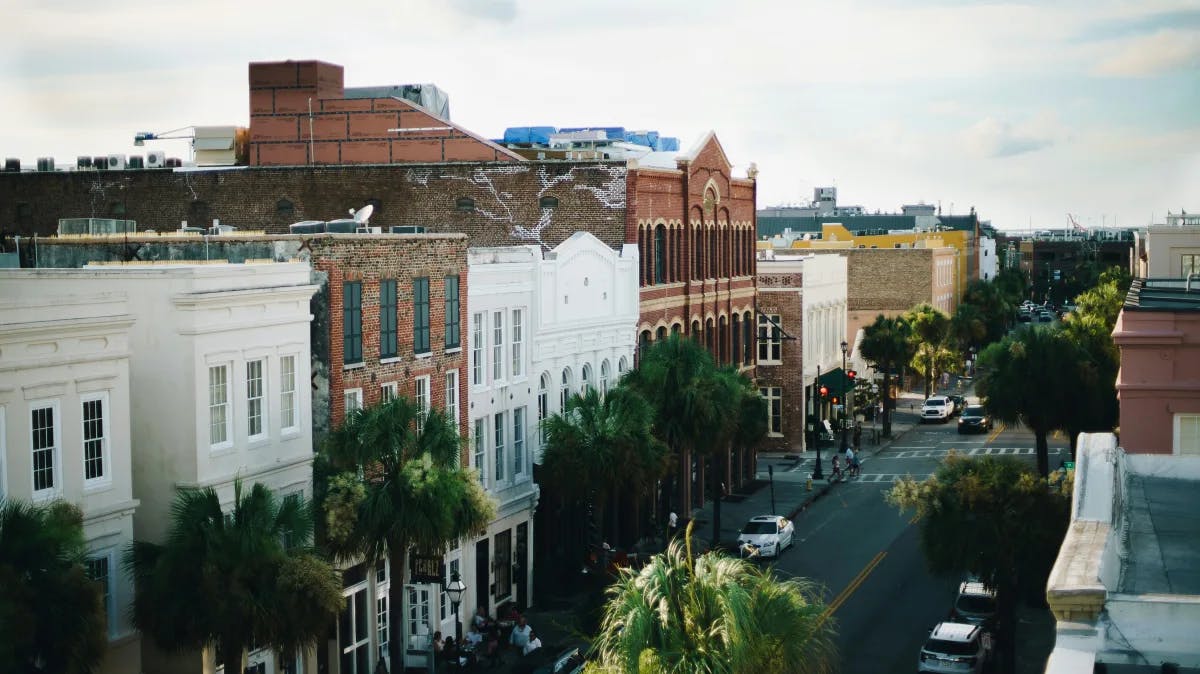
363	214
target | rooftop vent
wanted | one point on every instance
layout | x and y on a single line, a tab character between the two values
95	226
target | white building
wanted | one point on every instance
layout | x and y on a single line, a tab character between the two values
64	425
987	258
219	359
540	326
1173	249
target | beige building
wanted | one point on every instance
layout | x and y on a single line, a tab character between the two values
1171	250
65	426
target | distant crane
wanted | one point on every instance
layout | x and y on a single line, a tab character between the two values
1075	223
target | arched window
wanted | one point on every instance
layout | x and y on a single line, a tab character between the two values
464	204
677	329
548	202
284	209
747	339
543	404
698	253
644	341
564	392
735	355
643	257
722	341
709	336
586	384
661	333
622	366
660	254
712	253
605	375
696	332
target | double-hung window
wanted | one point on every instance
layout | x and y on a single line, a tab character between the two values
255	410
497	345
421	314
422	396
498	426
1189	263
518	441
774	398
95	440
99	570
387	319
388	391
1187	434
287	393
44	436
770	341
477	364
518	346
452	308
452	397
352	322
218	405
479	440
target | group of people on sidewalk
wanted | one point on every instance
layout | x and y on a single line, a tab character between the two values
486	639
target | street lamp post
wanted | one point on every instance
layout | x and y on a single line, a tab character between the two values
845	388
454	590
817	473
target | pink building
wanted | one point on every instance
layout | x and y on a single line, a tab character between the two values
1158	386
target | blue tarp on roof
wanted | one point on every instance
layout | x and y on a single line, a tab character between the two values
540	135
536	135
611	132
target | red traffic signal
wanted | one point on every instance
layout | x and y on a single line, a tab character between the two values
834	400
824	392
852	375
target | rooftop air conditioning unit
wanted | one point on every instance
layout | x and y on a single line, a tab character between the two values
12	165
156	159
368	230
219	230
83	163
136	161
174	162
116	162
307	227
407	229
100	163
45	164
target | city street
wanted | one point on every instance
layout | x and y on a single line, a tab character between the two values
867	555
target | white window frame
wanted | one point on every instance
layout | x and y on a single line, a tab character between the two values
289	401
498	345
566	381
55	449
479	442
1178	431
769	394
543	404
605	375
226	405
478	364
422	397
770	344
388	391
110	603
383	613
585	378
355	394
518	343
498	424
452	397
519	417
622	366
105	478
261	399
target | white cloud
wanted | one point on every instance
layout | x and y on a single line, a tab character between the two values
1149	55
991	138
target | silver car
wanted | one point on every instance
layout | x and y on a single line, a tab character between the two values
955	648
766	536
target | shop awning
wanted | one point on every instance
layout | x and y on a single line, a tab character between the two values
837	381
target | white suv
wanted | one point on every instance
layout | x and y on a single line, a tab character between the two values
937	408
955	648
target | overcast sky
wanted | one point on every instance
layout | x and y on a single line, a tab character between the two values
1025	111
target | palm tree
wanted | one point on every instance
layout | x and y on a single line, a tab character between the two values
712	614
1021	378
887	348
671	376
403	485
52	613
744	424
600	445
233	579
929	326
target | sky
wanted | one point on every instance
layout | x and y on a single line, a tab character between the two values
1026	112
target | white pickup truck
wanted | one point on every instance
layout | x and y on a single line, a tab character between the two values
937	408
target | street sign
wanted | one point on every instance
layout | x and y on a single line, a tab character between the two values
838	408
1069	465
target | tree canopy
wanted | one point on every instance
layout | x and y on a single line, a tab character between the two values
231	580
712	614
51	612
886	346
928	329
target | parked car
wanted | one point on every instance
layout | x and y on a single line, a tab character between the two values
766	536
937	408
975	604
1046	316
974	418
960	403
1024	316
960	648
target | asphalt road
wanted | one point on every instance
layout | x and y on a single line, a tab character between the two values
867	555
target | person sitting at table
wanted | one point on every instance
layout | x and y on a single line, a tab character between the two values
452	654
481	619
474	637
520	633
436	643
533	644
493	644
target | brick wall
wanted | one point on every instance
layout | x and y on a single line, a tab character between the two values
785	299
510	203
886	281
299	115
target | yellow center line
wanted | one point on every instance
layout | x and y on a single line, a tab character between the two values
995	434
853	586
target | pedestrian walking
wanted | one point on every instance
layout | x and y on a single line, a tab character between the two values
857	435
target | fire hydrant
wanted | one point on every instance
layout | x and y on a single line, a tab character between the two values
808	483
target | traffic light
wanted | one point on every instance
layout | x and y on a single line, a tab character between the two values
824	392
834	400
852	375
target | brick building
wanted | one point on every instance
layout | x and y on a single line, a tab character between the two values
302	113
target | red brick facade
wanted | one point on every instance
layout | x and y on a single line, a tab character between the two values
781	294
299	115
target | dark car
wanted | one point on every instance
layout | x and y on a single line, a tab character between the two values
974	419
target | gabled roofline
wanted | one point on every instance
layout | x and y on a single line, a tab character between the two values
499	148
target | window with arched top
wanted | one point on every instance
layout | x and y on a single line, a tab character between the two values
661	333
284	208
548	202
660	254
747	339
622	366
735	330
543	404
696	332
605	376
564	391
644	340
585	383
465	204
